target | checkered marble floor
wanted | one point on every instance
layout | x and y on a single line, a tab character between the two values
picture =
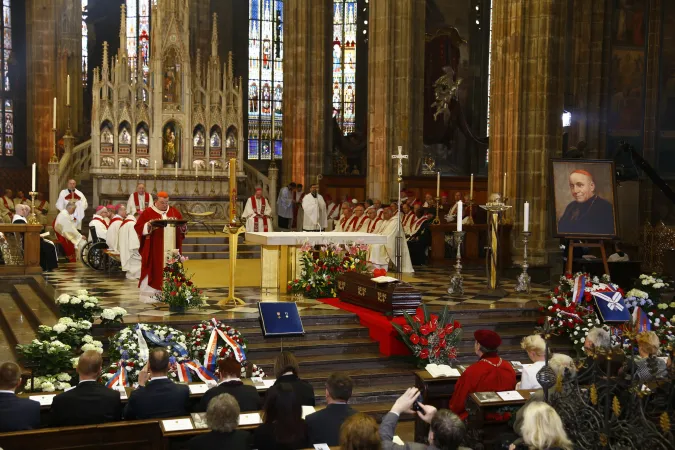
115	290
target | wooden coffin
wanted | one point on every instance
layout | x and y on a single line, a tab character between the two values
392	298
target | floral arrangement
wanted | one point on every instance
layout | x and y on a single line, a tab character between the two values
111	316
431	338
318	278
66	330
79	306
59	382
127	347
178	291
46	357
646	294
200	336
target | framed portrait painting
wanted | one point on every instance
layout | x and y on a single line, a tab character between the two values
584	198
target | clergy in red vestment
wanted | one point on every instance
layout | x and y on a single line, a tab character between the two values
490	374
257	213
152	245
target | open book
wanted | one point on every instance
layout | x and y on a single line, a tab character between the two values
441	370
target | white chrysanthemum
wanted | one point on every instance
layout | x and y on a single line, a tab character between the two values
119	311
108	314
88	347
62	386
75	301
84	325
48	386
63	377
60	327
66	320
87	339
63	298
81	292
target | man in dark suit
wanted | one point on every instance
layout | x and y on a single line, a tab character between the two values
89	402
324	426
157	397
229	371
16	414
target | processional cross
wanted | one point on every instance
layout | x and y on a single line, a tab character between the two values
399	260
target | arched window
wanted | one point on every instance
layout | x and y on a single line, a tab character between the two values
85	42
265	78
7	104
138	36
344	64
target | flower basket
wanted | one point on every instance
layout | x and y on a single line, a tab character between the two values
178	291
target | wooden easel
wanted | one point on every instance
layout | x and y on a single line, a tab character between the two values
599	244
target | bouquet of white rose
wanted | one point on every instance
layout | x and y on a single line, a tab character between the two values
50	383
79	306
66	330
110	316
46	357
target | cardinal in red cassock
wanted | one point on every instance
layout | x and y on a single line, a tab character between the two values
490	374
152	245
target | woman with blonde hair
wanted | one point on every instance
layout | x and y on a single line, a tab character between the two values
535	346
360	432
543	429
648	366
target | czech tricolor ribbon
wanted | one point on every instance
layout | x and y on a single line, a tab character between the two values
211	354
641	320
236	348
120	378
613	300
199	370
579	289
183	373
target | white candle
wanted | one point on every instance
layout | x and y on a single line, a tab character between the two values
68	91
471	189
438	184
459	215
54	118
120	168
213	170
138	168
155	168
33	184
526	220
176	170
504	189
196	170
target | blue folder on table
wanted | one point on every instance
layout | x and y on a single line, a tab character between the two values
280	319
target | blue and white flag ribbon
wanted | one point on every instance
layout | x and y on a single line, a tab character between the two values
579	289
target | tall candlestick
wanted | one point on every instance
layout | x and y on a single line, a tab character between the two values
196	170
460	210
120	168
233	189
155	168
33	183
138	168
176	170
504	189
54	118
471	189
438	184
526	221
213	170
68	91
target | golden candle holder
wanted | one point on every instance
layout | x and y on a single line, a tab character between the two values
154	185
196	191
119	185
437	220
469	219
213	188
32	219
175	186
233	230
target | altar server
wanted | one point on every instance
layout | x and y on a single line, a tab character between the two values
285	203
99	223
129	245
112	236
358	222
48	257
66	232
345	214
257	213
139	200
74	195
333	209
7	206
314	210
382	254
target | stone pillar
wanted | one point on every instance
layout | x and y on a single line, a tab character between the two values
306	101
395	91
525	111
273	175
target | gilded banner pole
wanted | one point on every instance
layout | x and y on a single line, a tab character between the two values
495	208
233	230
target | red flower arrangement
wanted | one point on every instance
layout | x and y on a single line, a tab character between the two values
431	338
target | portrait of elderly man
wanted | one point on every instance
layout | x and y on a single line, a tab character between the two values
587	213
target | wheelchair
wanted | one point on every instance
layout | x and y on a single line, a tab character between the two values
92	252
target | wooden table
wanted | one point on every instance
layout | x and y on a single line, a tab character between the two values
31	249
471	245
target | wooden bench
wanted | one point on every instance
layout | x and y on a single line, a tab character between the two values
482	428
28	262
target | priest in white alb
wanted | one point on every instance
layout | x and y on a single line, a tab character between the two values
314	210
375	224
129	245
112	236
99	224
139	200
345	215
382	254
73	195
66	232
333	209
358	222
257	213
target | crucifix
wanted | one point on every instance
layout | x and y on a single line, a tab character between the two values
399	260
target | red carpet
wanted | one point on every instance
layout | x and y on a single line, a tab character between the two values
378	324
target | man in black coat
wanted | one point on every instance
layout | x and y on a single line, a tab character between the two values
16	413
89	402
229	371
157	397
324	426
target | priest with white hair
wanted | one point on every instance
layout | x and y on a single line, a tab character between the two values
257	213
128	246
112	235
99	224
65	227
139	200
73	195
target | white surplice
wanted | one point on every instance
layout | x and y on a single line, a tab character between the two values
128	245
257	214
381	255
112	235
314	212
81	205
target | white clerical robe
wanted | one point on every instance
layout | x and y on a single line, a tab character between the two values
128	245
137	203
375	226
342	223
356	224
407	223
257	213
81	204
65	226
333	215
381	255
112	235
285	203
6	209
314	213
101	227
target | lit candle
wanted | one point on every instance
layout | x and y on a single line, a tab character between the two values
54	118
438	184
33	184
138	168
213	170
176	170
459	215
196	170
471	189
526	220
120	168
155	168
68	91
504	190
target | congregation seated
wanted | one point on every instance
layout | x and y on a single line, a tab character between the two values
648	367
535	346
157	397
222	418
598	346
89	402
324	426
490	373
229	382
446	431
542	429
360	432
283	427
287	370
16	413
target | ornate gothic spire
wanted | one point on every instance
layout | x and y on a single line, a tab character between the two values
123	30
105	60
214	37
199	67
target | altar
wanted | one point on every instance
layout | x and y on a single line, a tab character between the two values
280	260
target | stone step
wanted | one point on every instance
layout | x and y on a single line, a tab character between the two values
383	394
214	239
302	349
313	332
333	362
365	377
221	255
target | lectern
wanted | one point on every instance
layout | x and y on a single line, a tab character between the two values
171	229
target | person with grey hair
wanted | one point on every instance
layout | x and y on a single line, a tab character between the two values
597	339
48	258
222	418
69	236
597	346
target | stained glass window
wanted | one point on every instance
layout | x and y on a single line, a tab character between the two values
7	104
85	42
344	63
138	36
265	78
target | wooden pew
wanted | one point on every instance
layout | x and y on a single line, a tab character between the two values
474	237
31	249
483	429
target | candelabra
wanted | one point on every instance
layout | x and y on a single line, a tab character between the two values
496	209
32	219
154	183
213	187
456	282
196	191
437	220
119	184
175	186
469	219
524	278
